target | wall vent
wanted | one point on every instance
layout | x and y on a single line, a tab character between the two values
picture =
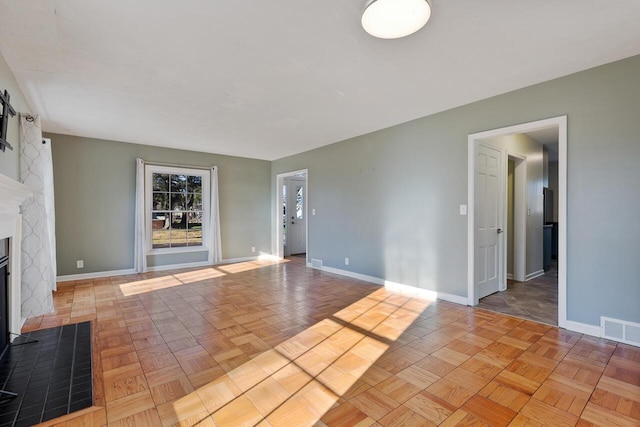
316	263
620	330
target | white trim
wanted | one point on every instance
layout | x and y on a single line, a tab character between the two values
407	290
583	328
424	293
509	276
519	216
561	123
471	232
562	221
13	194
353	275
179	266
278	250
177	250
262	257
95	275
102	274
533	275
149	170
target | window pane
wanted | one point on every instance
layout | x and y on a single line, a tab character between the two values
195	237
194	184
178	229
178	183
160	182
159	220
195	220
194	202
178	202
299	199
178	220
161	238
160	202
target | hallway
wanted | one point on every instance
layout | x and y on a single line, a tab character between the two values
535	300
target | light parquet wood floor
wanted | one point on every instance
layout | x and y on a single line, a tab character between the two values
278	344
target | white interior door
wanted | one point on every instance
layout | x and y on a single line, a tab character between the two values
488	214
296	221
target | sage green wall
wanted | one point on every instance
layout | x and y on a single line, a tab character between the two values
389	200
95	202
10	160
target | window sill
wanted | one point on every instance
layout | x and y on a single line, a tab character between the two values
186	249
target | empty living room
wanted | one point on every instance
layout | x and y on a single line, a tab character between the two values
343	213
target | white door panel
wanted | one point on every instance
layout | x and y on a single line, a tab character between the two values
295	216
487	220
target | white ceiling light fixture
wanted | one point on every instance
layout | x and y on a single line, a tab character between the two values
393	19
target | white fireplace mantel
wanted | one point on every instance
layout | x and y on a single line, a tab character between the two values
12	195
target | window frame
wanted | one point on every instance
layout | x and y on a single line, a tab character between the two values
205	176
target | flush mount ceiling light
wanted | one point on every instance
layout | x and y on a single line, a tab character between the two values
392	19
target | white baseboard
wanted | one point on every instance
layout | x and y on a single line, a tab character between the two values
95	275
583	328
353	275
533	275
102	274
509	276
424	293
403	289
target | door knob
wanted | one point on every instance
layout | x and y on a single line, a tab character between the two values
499	230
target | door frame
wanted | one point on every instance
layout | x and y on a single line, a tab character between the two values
519	217
279	249
561	123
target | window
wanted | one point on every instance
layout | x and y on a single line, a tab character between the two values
177	205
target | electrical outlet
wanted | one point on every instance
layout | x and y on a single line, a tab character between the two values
79	263
313	211
346	261
253	249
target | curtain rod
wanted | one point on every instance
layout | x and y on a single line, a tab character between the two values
173	165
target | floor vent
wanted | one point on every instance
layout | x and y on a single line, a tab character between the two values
316	263
620	330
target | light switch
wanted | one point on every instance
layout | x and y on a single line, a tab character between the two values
463	209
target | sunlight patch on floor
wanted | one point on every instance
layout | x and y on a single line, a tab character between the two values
303	377
192	276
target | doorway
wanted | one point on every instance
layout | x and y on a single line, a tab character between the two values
291	214
488	217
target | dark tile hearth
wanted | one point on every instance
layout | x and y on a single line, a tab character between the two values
52	376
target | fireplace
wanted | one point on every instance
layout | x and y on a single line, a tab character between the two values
12	195
4	282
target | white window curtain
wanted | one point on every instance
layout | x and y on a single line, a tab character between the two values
140	251
38	220
215	242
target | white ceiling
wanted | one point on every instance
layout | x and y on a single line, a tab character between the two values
267	79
